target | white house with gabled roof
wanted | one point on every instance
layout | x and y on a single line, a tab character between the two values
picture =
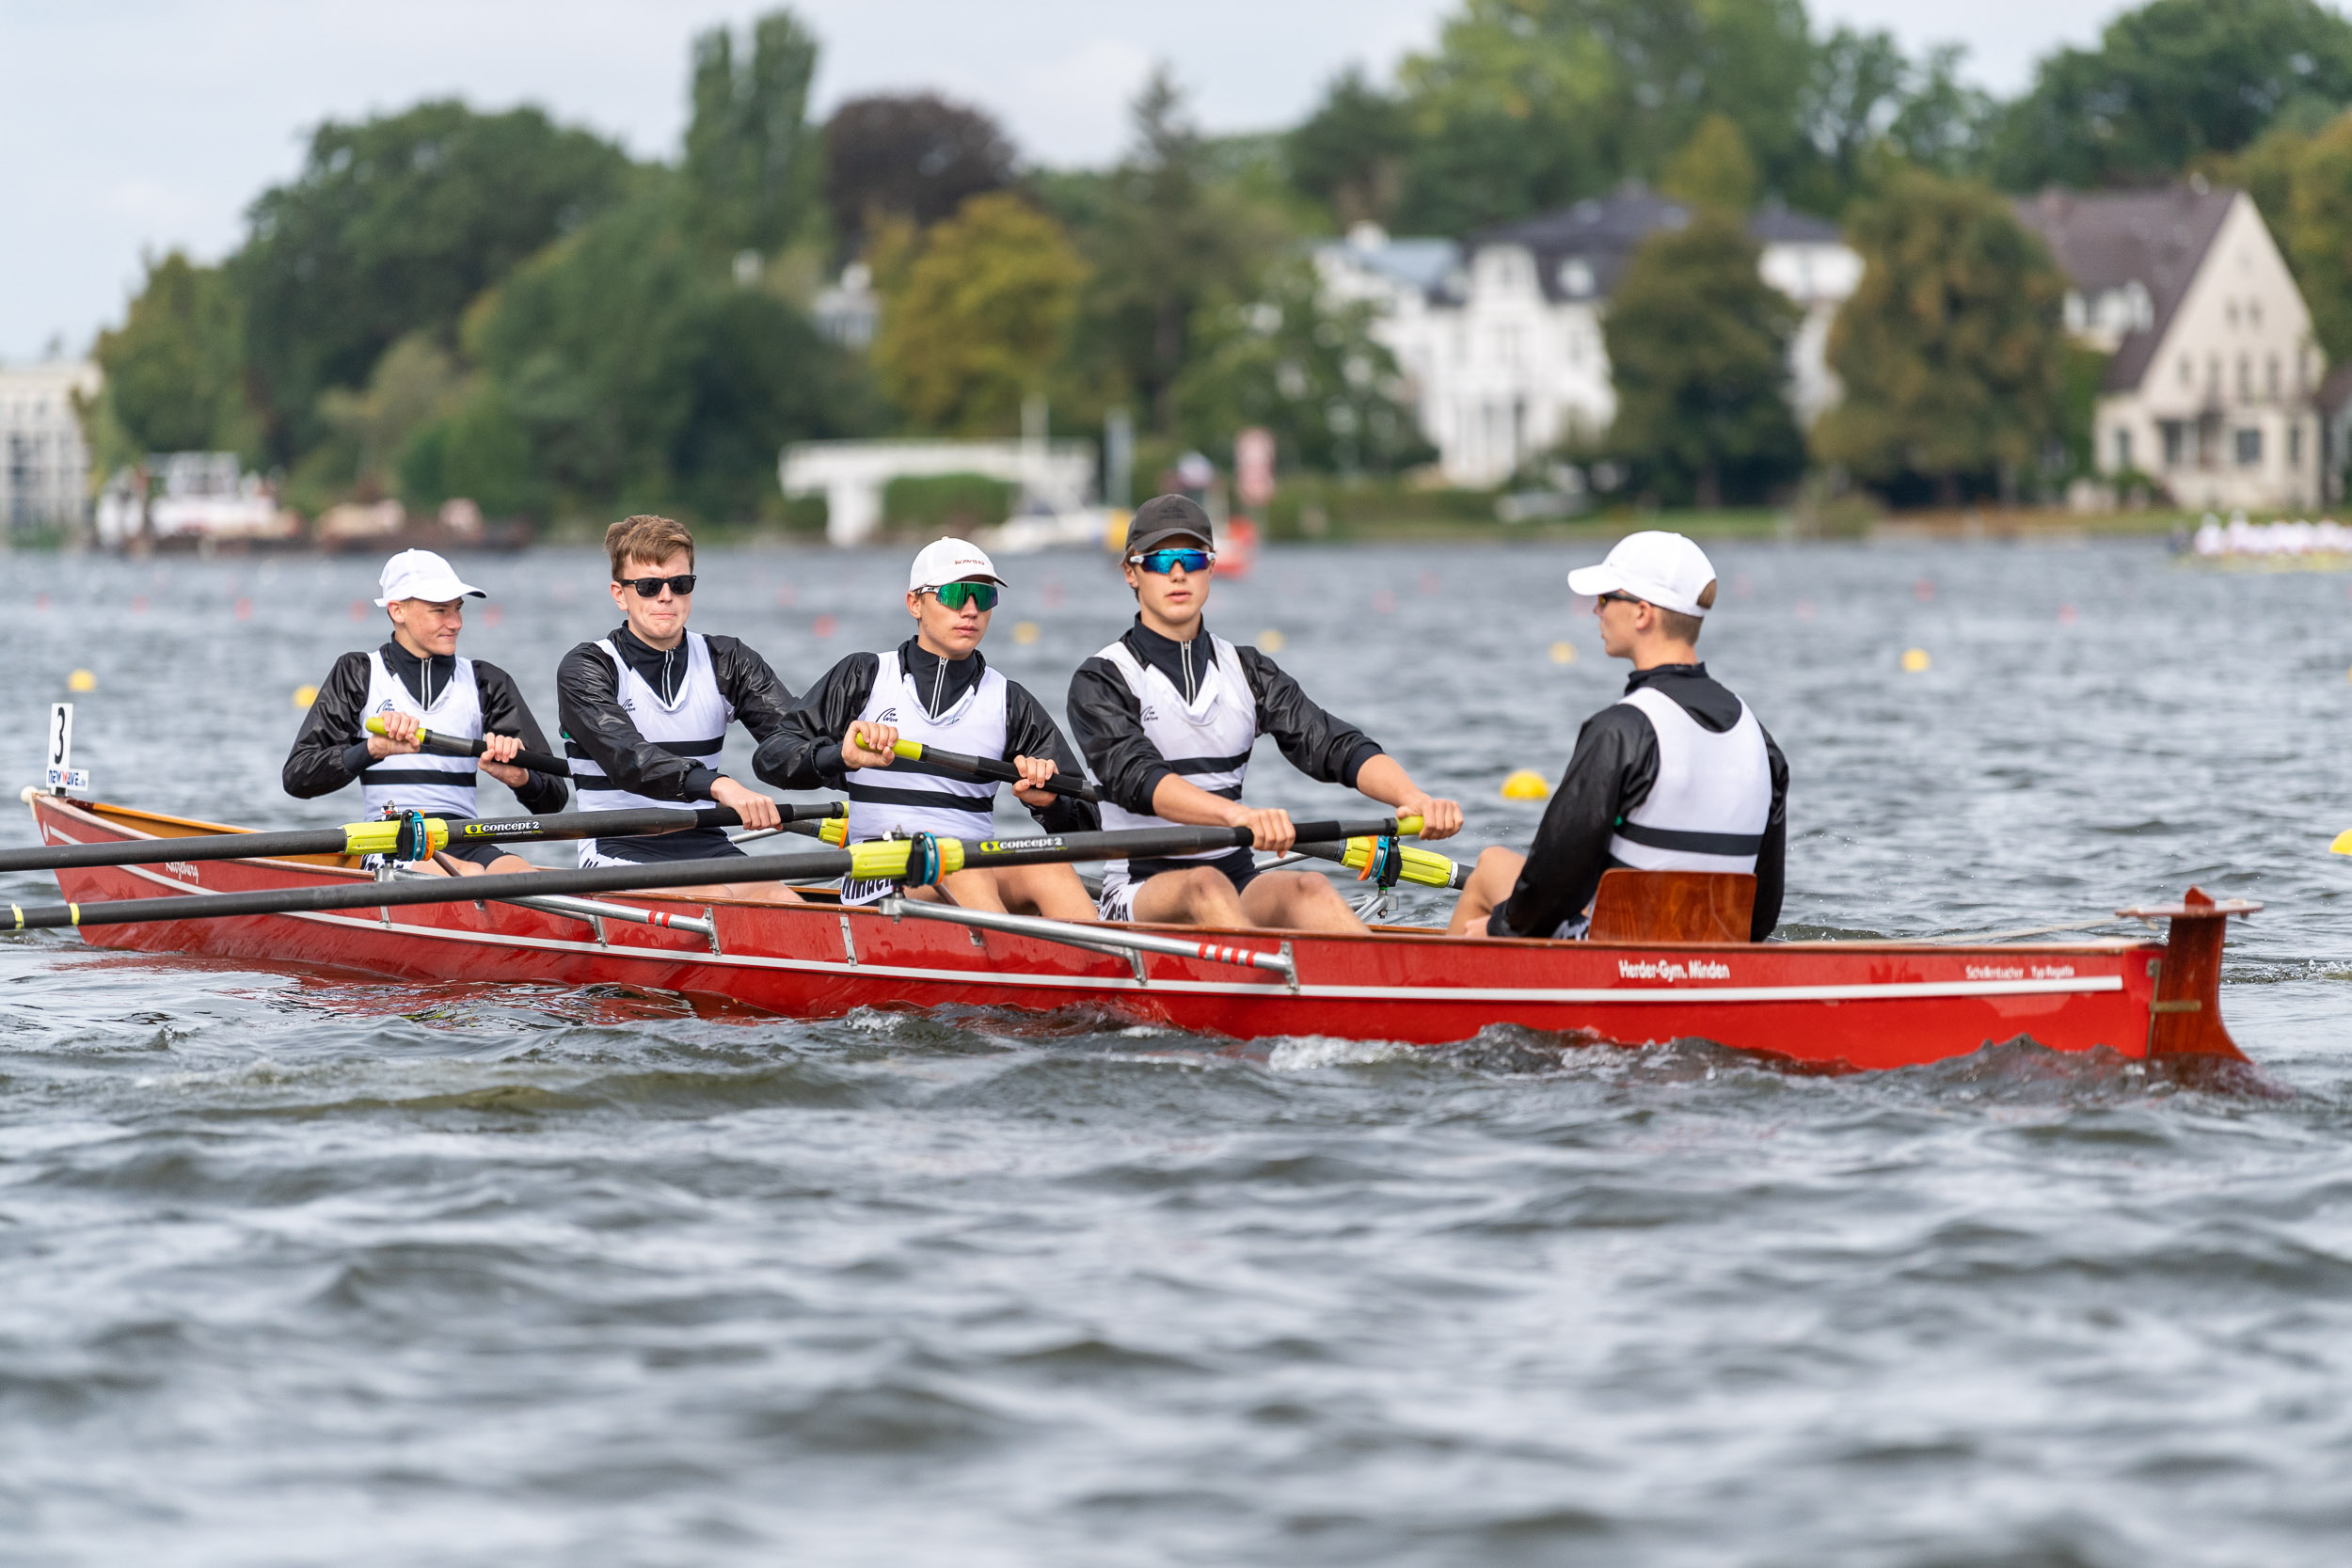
2214	374
1498	338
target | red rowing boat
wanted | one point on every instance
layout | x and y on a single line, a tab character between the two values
1656	970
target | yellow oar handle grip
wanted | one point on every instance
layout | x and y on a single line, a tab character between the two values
885	859
908	751
1408	827
375	726
382	838
1425	866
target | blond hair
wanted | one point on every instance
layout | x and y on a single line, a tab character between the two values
646	538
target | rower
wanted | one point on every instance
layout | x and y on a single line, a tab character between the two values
936	688
417	682
1166	718
647	708
1677	775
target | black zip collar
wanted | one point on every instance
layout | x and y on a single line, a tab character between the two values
1696	691
941	682
664	668
425	678
1184	664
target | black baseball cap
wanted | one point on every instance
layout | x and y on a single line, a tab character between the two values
1165	517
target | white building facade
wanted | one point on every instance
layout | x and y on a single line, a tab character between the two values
44	464
2214	374
1500	338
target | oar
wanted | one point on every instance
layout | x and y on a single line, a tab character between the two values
383	838
1425	866
990	768
881	860
459	746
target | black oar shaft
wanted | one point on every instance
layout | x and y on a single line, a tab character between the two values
458	746
443	890
995	770
615	879
336	841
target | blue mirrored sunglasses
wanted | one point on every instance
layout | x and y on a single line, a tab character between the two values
1164	562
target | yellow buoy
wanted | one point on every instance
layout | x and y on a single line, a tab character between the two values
81	680
1526	785
1915	661
305	695
1564	652
1025	632
1270	640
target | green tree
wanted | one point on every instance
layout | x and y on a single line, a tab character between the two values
915	157
1532	103
1698	350
638	374
1951	349
752	158
174	369
416	383
2301	179
1349	154
393	226
975	313
1867	100
1164	238
1713	169
2171	81
1310	373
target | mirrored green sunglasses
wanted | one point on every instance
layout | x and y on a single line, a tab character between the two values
955	595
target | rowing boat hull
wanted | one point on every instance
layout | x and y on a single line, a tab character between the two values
1847	1004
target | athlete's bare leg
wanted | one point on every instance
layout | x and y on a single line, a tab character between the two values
1489	884
1298	901
1202	896
1051	891
444	865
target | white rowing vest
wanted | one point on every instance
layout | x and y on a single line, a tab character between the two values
435	786
1205	741
694	727
1713	796
901	799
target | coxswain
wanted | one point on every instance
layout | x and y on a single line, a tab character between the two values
1676	775
936	688
416	681
1165	717
646	709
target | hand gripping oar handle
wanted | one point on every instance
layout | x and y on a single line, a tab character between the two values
990	768
376	838
460	746
879	860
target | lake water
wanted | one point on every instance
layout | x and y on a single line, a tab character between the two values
299	1267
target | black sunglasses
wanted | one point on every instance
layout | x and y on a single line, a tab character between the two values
1616	598
650	588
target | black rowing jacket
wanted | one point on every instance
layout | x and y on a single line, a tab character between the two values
807	752
588	701
331	748
1106	717
1611	772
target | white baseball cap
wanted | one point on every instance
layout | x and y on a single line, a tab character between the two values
423	575
1665	569
945	560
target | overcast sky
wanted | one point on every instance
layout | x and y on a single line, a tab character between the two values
139	125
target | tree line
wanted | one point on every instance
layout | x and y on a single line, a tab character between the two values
447	302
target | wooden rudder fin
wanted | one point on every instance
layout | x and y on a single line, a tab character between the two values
1673	906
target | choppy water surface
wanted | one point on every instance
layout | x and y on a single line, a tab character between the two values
299	1267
